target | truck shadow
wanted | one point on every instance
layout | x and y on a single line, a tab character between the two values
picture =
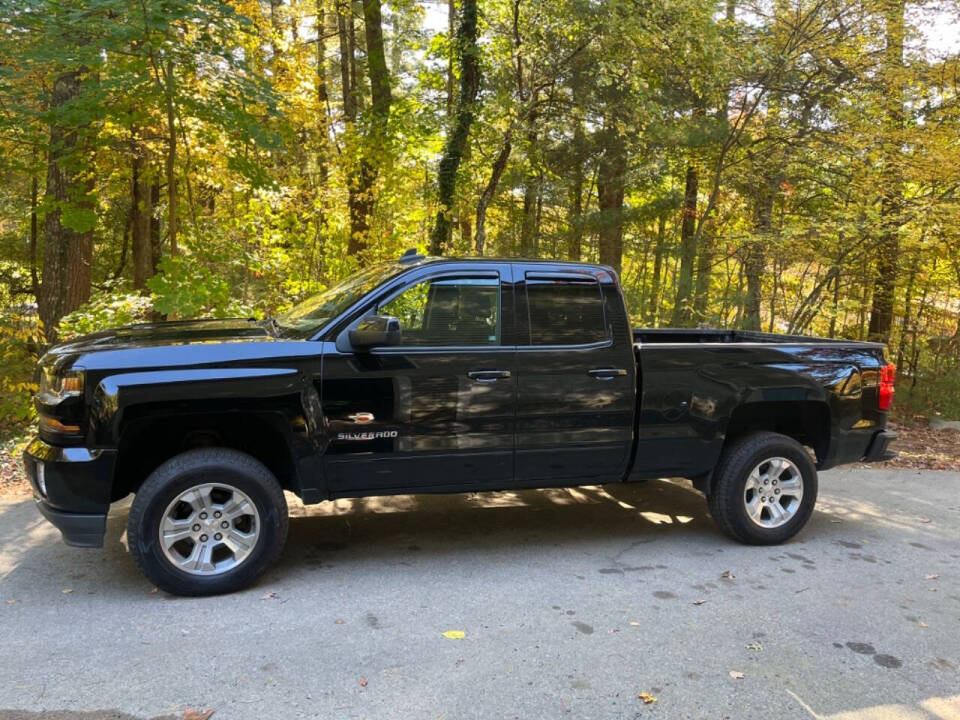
391	530
490	519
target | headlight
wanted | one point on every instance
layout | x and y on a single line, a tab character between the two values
55	386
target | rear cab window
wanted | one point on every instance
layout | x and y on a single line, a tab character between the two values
564	309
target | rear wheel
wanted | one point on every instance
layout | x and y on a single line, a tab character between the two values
206	522
765	489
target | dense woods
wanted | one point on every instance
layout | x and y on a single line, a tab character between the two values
785	165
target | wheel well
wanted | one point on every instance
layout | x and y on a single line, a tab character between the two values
148	441
806	422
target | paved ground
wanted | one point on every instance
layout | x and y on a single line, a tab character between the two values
572	603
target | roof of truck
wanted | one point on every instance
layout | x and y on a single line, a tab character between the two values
411	258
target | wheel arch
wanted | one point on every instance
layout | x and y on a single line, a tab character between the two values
151	434
806	421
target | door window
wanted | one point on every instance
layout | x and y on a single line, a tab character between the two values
448	312
565	312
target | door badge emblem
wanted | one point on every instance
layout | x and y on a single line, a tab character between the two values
362	418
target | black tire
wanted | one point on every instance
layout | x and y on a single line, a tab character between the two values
726	500
178	474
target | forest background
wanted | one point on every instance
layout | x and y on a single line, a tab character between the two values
784	165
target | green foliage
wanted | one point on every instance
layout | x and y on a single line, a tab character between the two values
932	394
111	308
184	288
20	342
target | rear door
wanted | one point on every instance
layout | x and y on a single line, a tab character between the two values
576	377
437	411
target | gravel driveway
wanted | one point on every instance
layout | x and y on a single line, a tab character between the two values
571	603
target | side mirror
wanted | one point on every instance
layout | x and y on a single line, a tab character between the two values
375	331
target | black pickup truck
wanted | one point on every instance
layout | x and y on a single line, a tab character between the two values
434	375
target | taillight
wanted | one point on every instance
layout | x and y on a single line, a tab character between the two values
888	375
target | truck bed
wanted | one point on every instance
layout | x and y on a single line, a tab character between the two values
672	336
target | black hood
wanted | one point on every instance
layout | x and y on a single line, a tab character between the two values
179	332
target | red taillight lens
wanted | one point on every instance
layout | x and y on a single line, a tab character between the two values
888	375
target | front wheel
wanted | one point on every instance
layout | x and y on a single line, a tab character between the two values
765	489
206	522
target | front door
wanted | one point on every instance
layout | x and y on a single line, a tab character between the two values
437	411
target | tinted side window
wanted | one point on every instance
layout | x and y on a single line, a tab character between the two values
565	312
448	312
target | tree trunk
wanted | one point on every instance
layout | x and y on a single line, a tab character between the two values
451	56
528	225
345	35
701	294
171	161
34	236
468	53
654	316
610	191
755	262
891	205
156	246
683	308
362	199
322	144
142	212
575	213
907	328
68	253
344	18
499	165
377	71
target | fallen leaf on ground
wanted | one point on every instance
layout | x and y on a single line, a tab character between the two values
455	634
363	682
736	675
728	575
339	622
647	697
931	576
66	591
925	520
699	602
197	714
754	646
635	623
922	624
11	602
269	596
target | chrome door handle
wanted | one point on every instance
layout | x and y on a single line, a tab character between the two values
606	373
488	376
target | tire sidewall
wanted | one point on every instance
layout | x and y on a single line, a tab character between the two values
173	579
799	457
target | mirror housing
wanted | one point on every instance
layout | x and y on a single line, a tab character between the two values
375	331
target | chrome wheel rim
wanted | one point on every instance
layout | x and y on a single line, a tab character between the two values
773	492
209	529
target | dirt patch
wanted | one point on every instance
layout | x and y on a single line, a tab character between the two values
13	482
920	447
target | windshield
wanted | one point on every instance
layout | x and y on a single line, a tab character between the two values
315	312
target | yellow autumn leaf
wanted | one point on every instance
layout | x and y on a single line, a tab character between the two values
455	634
647	697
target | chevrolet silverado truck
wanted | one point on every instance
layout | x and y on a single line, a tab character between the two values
434	375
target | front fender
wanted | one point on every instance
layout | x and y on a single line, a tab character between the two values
116	394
